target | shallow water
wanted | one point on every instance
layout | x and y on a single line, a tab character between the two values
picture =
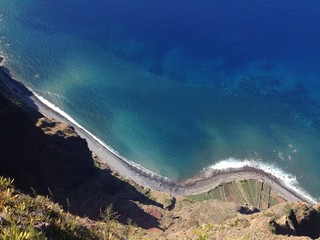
179	86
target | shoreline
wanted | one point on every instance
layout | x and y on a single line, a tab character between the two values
202	182
209	180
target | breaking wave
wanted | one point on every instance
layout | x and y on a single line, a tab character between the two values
288	179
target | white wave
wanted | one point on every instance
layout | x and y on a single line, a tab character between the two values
69	118
288	179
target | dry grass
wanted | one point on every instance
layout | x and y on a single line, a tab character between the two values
24	217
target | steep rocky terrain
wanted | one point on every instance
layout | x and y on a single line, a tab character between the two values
48	157
38	217
40	152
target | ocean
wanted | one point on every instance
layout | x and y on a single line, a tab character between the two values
179	87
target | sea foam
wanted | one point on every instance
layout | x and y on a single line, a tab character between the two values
152	175
288	179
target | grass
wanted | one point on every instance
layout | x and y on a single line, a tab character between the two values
267	195
273	201
229	193
253	190
240	196
222	193
14	232
203	232
215	194
247	189
24	217
198	197
244	191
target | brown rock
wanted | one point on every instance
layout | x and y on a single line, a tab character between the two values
154	212
155	230
301	220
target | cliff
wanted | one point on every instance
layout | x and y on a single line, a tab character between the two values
39	152
50	158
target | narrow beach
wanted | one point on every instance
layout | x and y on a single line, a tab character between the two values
197	184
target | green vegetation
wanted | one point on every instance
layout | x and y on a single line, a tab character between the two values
215	194
254	192
239	222
248	190
199	197
23	217
238	192
203	232
288	209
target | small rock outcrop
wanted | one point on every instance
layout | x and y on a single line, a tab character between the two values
247	209
301	219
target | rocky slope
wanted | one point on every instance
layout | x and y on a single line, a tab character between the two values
37	217
39	152
48	157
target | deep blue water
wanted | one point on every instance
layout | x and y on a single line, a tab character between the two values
177	86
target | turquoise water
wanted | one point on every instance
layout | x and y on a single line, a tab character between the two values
178	86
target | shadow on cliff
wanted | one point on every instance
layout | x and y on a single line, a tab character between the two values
300	219
62	165
16	86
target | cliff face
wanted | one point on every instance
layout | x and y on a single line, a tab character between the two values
299	220
43	154
40	152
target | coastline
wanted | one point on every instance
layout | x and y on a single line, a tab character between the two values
200	183
209	180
